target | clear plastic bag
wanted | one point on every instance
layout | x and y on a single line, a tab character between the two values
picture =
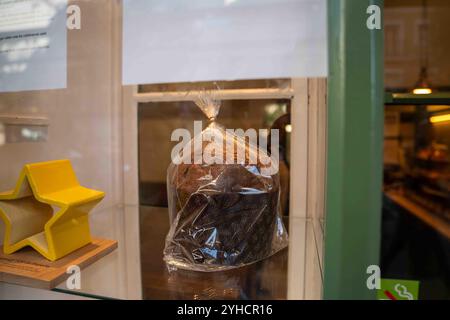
223	215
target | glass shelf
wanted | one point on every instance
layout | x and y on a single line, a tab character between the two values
274	278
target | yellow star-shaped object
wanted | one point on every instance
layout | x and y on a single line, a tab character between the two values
28	210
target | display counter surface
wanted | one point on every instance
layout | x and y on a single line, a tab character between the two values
293	273
266	279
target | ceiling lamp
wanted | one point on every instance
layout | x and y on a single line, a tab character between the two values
423	86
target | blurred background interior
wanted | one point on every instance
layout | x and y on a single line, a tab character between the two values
416	197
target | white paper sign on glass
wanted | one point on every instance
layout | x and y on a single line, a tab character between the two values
198	40
33	44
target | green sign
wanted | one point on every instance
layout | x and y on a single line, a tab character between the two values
395	289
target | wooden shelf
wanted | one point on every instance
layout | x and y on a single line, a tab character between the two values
28	268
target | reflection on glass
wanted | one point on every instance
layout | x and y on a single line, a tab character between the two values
14	133
416	206
32	45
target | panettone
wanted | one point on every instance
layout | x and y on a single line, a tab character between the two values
222	215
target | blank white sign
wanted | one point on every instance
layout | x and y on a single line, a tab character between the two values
197	40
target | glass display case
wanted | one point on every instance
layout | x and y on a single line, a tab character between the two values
117	137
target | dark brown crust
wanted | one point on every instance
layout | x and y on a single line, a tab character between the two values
221	214
240	207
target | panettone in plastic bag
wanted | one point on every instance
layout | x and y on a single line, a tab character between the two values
223	214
